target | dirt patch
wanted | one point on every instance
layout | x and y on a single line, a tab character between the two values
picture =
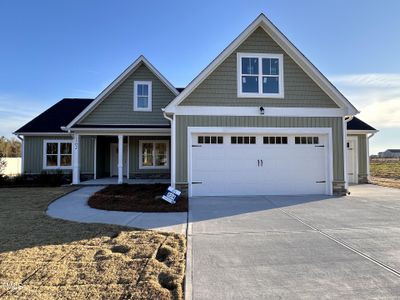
140	197
45	258
388	182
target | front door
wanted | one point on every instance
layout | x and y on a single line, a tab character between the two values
352	172
114	159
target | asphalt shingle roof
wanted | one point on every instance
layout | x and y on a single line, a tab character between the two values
60	114
357	124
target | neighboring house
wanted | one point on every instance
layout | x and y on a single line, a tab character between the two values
390	153
260	119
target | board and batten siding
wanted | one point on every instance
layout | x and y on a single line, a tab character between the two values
34	153
220	87
117	108
362	154
87	144
183	122
134	155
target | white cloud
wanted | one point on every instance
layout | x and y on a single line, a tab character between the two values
15	112
377	96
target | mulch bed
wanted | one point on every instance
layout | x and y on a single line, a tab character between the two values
138	197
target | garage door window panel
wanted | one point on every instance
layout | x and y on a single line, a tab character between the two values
306	140
275	140
243	140
210	140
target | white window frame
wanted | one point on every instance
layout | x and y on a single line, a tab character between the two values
260	94
141	142
58	167
135	96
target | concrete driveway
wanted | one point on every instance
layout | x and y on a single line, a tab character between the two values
316	247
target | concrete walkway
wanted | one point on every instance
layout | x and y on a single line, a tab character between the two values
73	207
295	247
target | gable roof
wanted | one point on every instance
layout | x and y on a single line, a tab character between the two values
263	22
60	114
117	82
357	124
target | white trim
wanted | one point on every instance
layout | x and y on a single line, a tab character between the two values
58	167
252	111
149	96
349	131
172	120
131	130
356	171
260	94
287	46
120	159
265	130
76	172
368	159
22	156
173	152
127	158
344	139
125	74
141	142
95	159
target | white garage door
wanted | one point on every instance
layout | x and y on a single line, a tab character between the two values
258	164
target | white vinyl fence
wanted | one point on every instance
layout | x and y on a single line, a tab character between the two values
13	166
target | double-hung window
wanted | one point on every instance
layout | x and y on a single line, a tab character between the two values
153	154
142	96
260	75
57	154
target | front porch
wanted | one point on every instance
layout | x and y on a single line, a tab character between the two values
114	181
102	158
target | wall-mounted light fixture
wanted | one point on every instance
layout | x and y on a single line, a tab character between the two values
261	110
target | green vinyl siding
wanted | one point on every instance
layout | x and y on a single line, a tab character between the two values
86	158
117	108
134	155
33	153
183	122
362	154
220	87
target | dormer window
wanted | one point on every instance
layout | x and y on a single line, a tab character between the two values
142	96
260	75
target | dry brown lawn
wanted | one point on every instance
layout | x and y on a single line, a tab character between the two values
385	172
45	258
388	182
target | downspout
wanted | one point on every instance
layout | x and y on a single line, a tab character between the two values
173	147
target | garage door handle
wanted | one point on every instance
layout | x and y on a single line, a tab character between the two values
258	162
262	163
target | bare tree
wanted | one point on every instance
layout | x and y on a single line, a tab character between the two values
3	164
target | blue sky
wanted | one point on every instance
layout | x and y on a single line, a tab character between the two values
55	49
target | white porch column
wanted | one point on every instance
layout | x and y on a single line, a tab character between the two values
75	160
120	158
